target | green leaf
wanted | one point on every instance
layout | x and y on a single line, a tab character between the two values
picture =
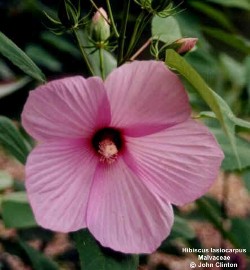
240	229
19	58
181	229
243	147
41	57
37	259
60	44
6	180
165	29
244	4
235	41
213	13
222	111
12	141
93	256
16	211
211	213
9	88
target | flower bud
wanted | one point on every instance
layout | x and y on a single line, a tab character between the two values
67	14
160	5
99	29
185	44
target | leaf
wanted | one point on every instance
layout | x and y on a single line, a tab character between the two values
240	229
165	29
43	58
243	147
12	141
93	256
37	259
16	211
6	180
244	4
213	13
235	41
181	229
19	58
9	88
61	44
222	111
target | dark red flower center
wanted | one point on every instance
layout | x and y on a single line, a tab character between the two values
107	142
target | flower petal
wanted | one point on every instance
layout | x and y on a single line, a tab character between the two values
123	215
179	163
66	108
58	179
146	97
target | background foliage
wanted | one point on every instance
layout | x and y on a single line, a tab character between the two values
31	53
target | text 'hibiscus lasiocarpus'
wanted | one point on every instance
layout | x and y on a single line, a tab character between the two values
115	155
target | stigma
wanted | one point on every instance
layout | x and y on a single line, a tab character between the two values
108	151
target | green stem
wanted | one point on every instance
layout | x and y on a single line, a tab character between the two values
140	25
102	69
112	19
122	37
83	53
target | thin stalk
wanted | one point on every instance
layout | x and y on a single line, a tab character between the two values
112	19
121	40
143	47
102	69
140	25
83	53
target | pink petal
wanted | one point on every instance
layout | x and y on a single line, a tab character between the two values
179	163
123	214
66	108
58	179
146	97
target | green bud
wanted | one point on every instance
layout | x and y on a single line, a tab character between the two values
68	14
160	5
99	29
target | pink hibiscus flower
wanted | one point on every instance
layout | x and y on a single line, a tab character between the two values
114	155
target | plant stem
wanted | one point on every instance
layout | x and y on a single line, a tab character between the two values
83	53
140	24
143	47
112	19
101	63
122	37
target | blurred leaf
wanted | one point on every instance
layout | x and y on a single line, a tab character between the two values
246	179
12	141
165	29
244	4
43	58
5	72
240	229
213	13
235	41
181	229
243	147
19	58
222	111
37	259
235	71
212	214
61	44
93	256
6	180
10	87
16	211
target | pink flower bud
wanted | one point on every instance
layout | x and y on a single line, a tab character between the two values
99	29
185	44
